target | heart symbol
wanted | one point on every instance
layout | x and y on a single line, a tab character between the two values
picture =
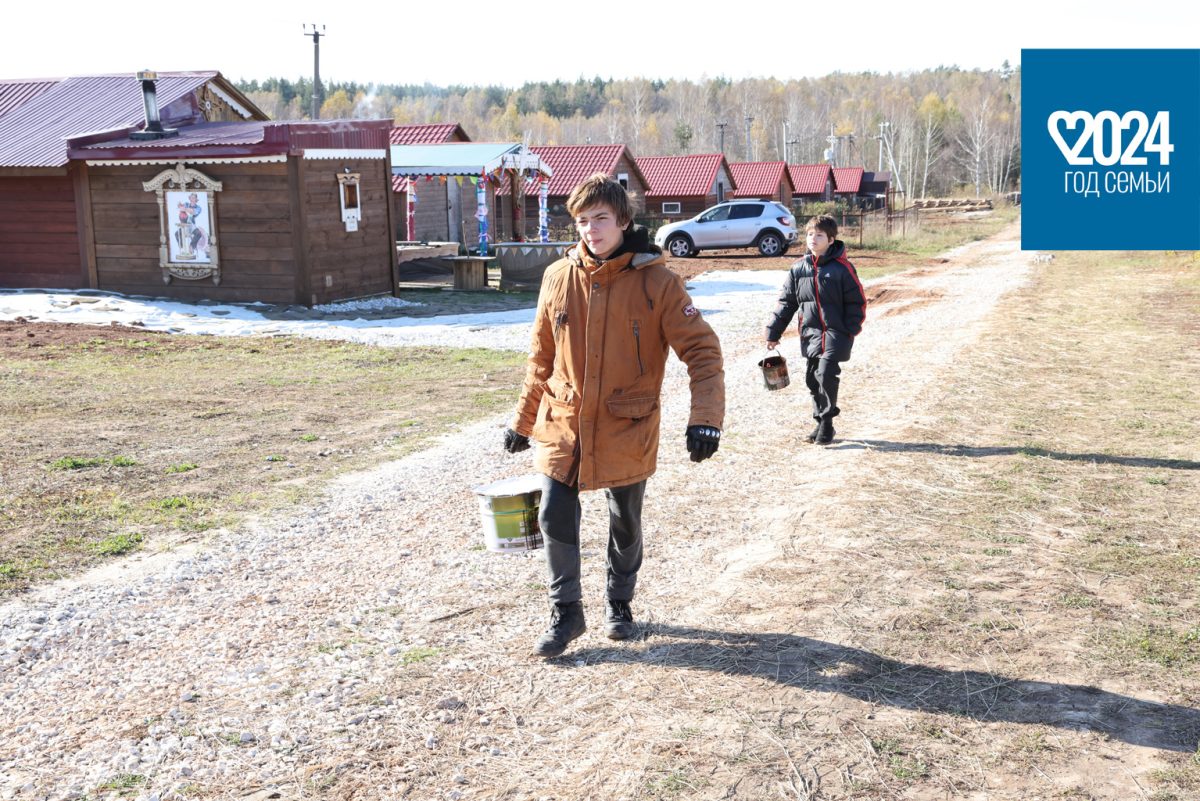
1071	119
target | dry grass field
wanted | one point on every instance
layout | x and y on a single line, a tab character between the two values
118	438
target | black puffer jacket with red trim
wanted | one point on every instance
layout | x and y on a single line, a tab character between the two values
831	302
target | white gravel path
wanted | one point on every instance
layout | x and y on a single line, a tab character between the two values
263	654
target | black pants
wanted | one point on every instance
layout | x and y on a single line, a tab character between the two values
821	375
559	516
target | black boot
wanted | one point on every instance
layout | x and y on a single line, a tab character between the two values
812	435
618	624
566	623
825	431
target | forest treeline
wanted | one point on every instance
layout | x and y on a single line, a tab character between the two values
939	130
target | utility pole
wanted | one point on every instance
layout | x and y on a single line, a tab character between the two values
831	152
892	164
883	125
316	89
749	152
791	148
721	127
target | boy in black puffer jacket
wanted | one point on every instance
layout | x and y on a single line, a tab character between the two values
825	288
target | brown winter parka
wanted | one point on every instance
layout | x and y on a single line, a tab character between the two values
597	358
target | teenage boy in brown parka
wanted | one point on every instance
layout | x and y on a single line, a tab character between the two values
606	315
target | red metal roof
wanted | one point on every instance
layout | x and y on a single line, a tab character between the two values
847	180
681	176
760	179
809	179
428	134
34	133
254	138
572	163
15	93
208	134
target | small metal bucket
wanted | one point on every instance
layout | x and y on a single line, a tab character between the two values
774	370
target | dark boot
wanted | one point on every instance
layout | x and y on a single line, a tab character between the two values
812	435
825	431
566	623
618	624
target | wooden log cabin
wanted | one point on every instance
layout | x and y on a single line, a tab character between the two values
42	192
297	212
175	204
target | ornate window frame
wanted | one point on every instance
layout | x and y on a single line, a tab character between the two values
181	179
351	198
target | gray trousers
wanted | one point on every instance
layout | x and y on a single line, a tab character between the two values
559	517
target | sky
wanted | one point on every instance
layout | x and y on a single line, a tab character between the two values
485	42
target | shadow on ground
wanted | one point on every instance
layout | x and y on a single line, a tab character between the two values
1011	450
827	667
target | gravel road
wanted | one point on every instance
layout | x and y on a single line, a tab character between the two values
286	656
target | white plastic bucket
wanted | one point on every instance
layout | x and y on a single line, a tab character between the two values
509	510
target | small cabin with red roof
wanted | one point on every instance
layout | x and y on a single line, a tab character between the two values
847	181
812	183
763	180
683	186
571	164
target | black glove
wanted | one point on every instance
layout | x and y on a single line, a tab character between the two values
702	441
514	442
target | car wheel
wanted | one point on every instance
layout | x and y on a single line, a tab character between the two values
680	246
770	244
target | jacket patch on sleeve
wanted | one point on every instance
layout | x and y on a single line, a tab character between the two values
690	311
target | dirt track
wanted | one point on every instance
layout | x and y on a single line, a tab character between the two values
367	648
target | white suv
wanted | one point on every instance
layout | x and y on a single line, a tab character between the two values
763	224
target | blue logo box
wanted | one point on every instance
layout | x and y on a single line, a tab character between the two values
1110	149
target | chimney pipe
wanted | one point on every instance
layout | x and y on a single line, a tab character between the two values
153	129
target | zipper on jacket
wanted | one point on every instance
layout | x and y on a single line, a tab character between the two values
637	343
817	295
